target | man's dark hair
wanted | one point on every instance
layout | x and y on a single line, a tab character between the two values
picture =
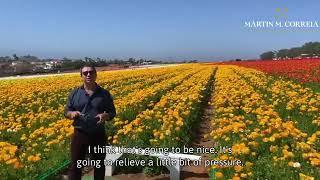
88	65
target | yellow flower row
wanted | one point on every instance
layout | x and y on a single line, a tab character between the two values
168	116
53	133
294	97
46	113
136	97
244	120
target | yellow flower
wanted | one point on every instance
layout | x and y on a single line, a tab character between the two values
305	177
168	132
17	165
219	175
290	164
238	168
287	154
248	165
11	161
273	149
235	178
272	139
243	175
34	158
254	144
114	141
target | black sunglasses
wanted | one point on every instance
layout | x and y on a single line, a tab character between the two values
87	72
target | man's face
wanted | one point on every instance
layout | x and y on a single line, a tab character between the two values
88	75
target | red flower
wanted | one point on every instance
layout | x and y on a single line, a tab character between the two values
304	70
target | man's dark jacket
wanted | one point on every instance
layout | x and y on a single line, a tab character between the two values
100	101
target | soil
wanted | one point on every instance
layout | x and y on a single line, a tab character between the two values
200	172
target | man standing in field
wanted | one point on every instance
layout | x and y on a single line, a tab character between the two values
89	106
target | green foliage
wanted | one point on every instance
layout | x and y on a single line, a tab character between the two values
309	49
267	55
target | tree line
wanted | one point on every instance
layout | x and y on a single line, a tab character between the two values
310	49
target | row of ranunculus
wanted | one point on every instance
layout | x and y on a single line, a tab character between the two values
268	146
28	102
21	121
293	102
43	148
304	70
169	121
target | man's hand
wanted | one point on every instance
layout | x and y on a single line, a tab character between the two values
73	114
103	117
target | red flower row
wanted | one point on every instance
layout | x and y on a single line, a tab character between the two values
304	70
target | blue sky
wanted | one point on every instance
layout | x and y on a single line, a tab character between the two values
166	29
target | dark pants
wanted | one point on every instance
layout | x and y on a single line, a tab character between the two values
79	148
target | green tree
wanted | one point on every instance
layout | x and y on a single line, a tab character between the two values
311	48
283	53
294	52
267	55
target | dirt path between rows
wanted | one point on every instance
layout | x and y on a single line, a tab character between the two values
200	172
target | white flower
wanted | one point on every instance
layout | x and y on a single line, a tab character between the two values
296	165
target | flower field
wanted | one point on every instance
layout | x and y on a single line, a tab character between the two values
35	136
271	123
304	70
